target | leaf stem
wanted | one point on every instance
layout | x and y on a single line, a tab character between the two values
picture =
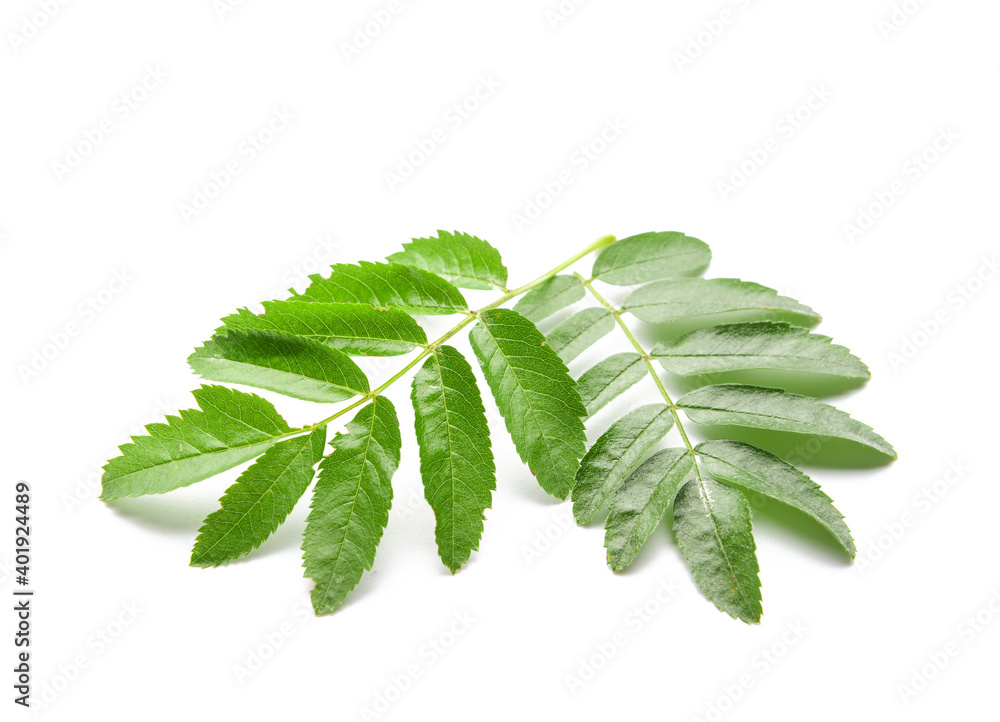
648	359
472	316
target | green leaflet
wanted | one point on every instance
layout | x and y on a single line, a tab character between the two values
259	501
763	345
535	394
764	408
638	507
684	298
651	256
302	368
605	381
549	297
456	461
354	328
228	428
467	261
350	504
579	332
386	285
715	535
608	461
733	462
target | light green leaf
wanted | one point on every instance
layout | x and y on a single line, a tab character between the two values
715	535
651	256
605	381
579	332
350	504
354	328
608	461
386	285
535	394
764	408
228	428
302	368
743	465
467	261
259	501
456	461
763	345
638	507
546	298
684	298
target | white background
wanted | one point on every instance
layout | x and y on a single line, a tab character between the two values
319	192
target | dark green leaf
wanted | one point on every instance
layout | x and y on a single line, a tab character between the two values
456	461
350	504
259	501
302	368
535	394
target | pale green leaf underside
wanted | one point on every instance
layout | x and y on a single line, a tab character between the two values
638	507
467	261
259	501
714	531
228	428
386	285
302	368
456	461
549	297
350	504
765	408
686	298
746	466
763	345
651	256
535	394
607	380
579	332
607	462
354	328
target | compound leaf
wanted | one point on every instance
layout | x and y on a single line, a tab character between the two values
302	368
651	256
456	461
765	408
579	332
259	501
762	345
386	285
714	531
607	380
535	394
228	428
350	504
549	297
355	328
746	466
685	298
607	462
638	507
467	261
